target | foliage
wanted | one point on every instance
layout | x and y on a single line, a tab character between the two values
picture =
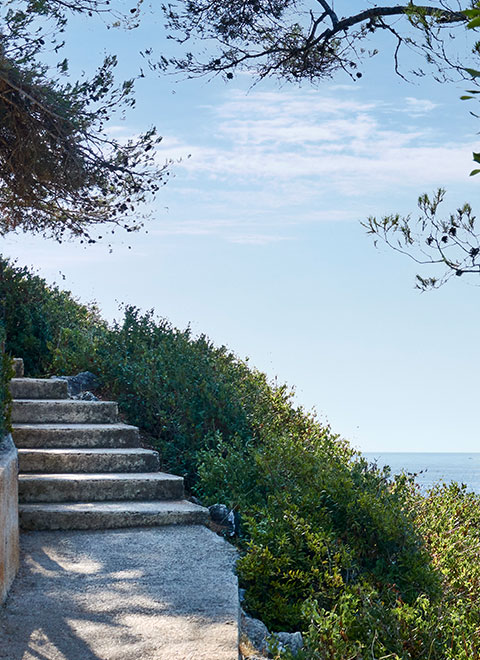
301	40
180	390
319	520
298	41
6	370
60	171
35	316
363	564
451	241
442	626
474	22
355	558
6	373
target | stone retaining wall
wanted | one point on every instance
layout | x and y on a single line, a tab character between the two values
9	541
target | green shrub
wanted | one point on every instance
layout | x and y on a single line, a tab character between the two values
179	390
6	373
35	316
443	624
318	520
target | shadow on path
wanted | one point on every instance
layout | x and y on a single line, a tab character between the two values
150	594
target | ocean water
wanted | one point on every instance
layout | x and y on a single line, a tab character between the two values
433	467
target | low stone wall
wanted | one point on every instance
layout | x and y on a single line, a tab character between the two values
9	541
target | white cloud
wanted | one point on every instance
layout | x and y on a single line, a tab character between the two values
416	106
271	159
292	134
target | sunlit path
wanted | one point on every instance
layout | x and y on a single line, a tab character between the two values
162	593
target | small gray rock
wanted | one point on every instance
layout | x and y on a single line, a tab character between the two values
256	631
85	396
291	641
241	595
219	513
222	515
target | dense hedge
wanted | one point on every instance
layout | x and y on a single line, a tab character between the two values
35	316
361	563
5	364
6	372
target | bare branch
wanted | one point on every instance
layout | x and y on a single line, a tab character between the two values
329	12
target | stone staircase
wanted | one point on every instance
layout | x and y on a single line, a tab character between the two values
82	469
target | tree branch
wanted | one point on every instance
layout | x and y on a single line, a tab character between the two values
329	12
399	10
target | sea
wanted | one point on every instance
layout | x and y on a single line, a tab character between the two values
432	468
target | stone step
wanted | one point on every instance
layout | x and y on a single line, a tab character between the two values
38	388
110	515
18	367
75	435
63	411
88	460
99	487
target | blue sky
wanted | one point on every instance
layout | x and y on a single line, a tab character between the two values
256	240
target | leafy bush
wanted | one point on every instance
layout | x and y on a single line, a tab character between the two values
179	390
6	372
318	520
35	316
444	625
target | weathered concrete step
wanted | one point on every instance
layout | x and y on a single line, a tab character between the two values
75	435
99	487
110	515
64	411
18	367
88	460
38	388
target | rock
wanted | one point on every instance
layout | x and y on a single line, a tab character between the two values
291	641
231	523
222	515
219	513
261	641
82	382
85	396
241	595
256	632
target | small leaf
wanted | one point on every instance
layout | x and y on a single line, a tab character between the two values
465	97
473	172
474	23
473	72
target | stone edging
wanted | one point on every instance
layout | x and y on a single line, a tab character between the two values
9	538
